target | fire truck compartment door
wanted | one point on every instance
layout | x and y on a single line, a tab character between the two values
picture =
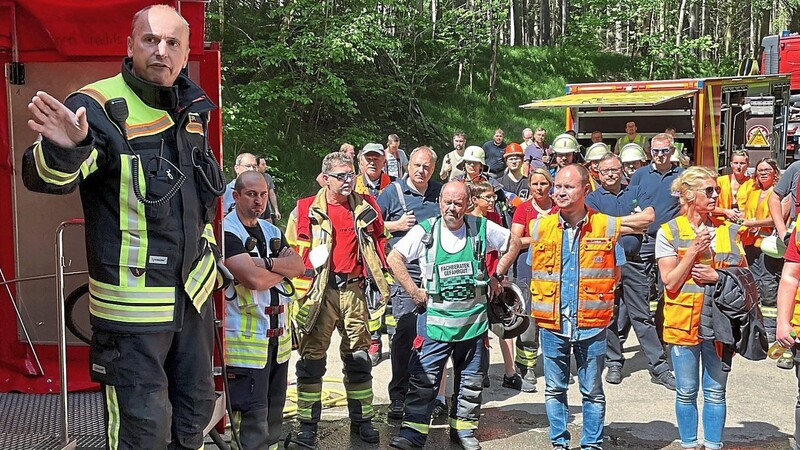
611	99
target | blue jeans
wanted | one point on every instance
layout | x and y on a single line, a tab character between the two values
686	364
590	356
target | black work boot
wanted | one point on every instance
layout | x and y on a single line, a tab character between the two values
365	431
307	435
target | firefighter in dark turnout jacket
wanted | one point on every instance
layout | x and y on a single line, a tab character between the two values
149	187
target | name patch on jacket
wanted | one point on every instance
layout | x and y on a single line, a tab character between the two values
456	269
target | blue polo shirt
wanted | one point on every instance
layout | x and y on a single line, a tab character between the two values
631	199
494	157
569	282
425	205
657	186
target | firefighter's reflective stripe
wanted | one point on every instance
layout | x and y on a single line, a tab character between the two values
112	407
306	398
769	311
148	129
418	427
56	177
131	304
247	350
461	424
142	120
200	283
133	227
374	324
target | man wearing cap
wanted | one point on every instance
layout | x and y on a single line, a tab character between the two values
537	154
631	136
656	179
493	150
632	205
450	170
564	147
594	154
404	203
633	158
514	182
372	179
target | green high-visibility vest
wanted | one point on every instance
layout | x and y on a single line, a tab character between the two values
456	284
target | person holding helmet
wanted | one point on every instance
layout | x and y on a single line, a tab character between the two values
594	154
514	182
633	158
564	147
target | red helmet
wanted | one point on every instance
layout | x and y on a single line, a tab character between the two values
513	149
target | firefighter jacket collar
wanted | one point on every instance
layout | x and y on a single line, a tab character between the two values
153	95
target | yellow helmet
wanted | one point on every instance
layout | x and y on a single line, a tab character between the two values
596	151
632	152
564	143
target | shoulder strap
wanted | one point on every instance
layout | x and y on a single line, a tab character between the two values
400	195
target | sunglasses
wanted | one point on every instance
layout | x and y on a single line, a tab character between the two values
710	190
344	177
660	151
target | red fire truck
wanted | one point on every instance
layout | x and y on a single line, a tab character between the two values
781	54
58	46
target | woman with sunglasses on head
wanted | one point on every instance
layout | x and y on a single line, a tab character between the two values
689	248
758	225
539	204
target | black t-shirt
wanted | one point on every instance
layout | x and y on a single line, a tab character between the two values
234	245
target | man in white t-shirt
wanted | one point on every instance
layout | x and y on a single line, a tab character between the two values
450	170
456	286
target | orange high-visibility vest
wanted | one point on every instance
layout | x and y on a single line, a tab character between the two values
682	308
361	184
596	279
725	199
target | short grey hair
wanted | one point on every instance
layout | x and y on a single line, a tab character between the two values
424	148
334	159
608	156
241	156
664	137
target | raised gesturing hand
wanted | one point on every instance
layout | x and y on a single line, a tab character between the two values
56	122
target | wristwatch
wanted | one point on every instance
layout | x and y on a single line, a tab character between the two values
498	277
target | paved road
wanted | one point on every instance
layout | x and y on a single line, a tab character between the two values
640	414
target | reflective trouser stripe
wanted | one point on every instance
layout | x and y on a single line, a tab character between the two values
359	400
524	357
112	406
390	320
418	427
653	306
769	311
461	424
308	395
374	325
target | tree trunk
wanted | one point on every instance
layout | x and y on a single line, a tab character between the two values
678	34
544	23
493	65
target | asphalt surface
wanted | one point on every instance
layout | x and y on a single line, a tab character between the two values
639	414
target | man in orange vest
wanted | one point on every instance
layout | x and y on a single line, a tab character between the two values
575	263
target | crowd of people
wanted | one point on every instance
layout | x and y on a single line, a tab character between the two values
597	242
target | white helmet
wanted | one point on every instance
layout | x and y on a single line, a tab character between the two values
564	143
632	152
473	153
596	151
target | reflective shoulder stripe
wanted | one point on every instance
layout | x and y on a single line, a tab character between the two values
611	226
